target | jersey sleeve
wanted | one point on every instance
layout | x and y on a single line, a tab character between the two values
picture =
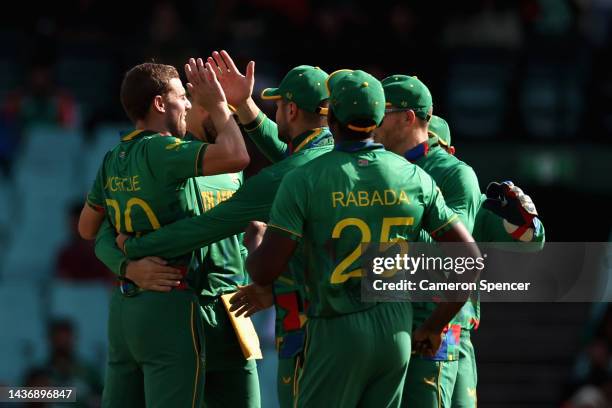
251	202
289	209
264	133
174	160
437	217
107	251
462	195
95	197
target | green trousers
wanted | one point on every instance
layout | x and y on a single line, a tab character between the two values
464	393
442	384
288	372
358	359
231	380
156	350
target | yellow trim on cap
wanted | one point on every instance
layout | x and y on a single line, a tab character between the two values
332	74
362	129
265	97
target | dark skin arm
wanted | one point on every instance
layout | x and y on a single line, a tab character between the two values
428	337
270	259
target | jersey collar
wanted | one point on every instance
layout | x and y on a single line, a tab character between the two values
422	149
352	147
308	139
135	134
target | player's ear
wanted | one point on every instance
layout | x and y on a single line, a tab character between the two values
293	110
410	117
158	104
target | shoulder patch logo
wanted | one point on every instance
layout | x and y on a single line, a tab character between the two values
175	145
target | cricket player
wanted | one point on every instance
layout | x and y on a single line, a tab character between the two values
432	381
505	214
356	353
156	350
300	122
274	141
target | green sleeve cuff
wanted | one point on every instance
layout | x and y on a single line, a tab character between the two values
255	124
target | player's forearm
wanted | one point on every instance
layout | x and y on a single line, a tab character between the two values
228	218
264	133
194	233
247	111
106	250
229	140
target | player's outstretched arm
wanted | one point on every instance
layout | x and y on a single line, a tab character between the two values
149	273
251	202
229	153
238	90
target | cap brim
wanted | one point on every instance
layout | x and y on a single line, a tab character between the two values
270	93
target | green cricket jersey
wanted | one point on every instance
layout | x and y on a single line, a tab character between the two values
358	193
142	183
223	261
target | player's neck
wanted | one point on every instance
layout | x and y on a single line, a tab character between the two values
411	141
153	125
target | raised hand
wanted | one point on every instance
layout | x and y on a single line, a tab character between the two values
204	86
237	87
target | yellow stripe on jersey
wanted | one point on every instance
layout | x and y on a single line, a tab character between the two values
286	230
132	135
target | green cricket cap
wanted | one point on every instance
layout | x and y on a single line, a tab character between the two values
356	97
439	127
304	85
408	92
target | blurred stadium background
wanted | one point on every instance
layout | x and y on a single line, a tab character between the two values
526	86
